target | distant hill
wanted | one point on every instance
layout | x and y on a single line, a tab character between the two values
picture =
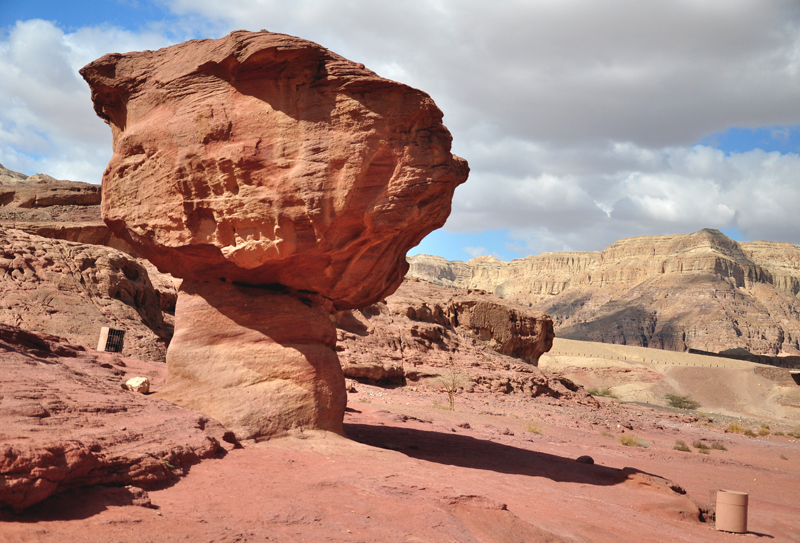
702	291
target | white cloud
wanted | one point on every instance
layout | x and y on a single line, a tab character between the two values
578	117
475	251
47	123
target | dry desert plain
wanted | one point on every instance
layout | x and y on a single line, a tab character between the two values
496	469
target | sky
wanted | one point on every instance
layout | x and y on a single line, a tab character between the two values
583	122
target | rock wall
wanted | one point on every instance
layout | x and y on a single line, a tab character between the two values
701	290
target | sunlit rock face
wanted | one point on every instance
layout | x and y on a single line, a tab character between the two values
267	163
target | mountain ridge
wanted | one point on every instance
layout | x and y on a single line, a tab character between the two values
725	294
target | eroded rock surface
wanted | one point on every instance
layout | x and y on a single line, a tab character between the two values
702	291
18	191
286	163
42	205
65	421
72	290
476	340
266	161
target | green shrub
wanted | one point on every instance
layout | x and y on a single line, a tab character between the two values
681	402
719	446
681	446
700	445
763	431
602	392
631	441
704	451
749	433
778	433
735	428
533	428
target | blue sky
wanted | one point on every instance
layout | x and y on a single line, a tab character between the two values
582	123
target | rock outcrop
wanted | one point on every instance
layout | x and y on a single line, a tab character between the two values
479	340
72	290
65	421
18	191
42	205
264	168
702	291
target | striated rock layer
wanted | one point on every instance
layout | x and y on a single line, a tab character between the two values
255	359
702	291
265	160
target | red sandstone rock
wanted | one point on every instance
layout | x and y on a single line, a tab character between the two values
65	421
71	290
20	191
260	362
266	160
486	343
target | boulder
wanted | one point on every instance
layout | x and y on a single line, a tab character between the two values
451	338
137	384
268	172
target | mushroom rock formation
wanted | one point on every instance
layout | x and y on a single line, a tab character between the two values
281	182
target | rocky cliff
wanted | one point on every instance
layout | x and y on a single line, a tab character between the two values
703	291
45	206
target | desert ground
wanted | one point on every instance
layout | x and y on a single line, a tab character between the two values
495	469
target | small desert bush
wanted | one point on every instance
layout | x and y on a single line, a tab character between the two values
606	434
700	446
533	428
631	441
778	433
450	382
718	446
763	431
681	402
735	428
602	392
784	457
749	433
681	446
704	451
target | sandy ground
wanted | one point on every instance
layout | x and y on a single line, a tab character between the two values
497	469
723	386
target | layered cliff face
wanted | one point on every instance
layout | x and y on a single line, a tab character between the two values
701	290
48	207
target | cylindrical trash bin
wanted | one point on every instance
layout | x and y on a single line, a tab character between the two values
732	511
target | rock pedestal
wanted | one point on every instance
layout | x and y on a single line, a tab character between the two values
261	362
264	159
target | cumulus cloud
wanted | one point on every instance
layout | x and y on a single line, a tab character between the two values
47	123
579	118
